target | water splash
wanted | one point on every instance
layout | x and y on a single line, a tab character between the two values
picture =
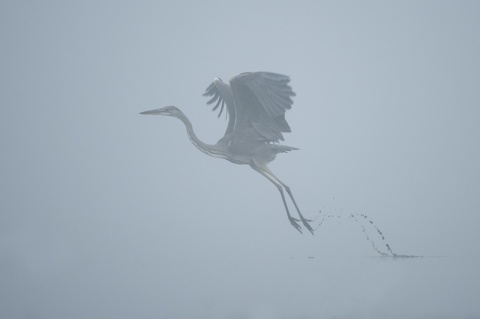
381	246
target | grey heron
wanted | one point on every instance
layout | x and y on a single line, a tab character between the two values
256	103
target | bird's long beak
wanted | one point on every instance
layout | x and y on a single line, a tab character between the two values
153	112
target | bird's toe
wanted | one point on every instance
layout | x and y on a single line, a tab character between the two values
294	223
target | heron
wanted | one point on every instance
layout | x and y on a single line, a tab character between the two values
255	104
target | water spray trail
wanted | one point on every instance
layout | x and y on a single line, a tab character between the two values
358	219
368	237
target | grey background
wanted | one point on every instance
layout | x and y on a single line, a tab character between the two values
105	213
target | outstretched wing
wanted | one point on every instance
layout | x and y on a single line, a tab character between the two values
221	93
261	100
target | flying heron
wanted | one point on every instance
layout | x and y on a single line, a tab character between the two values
256	103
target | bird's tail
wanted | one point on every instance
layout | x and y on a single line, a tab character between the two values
282	148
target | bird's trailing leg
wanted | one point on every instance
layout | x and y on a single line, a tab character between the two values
304	220
280	185
292	220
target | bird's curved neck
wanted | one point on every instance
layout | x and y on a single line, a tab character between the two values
208	149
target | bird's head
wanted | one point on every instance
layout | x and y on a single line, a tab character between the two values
167	111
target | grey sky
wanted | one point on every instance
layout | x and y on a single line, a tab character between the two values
106	213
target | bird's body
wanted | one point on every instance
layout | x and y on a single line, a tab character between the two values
256	103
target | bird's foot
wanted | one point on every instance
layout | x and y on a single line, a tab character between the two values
294	223
307	225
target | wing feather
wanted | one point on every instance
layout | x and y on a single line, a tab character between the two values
261	100
221	93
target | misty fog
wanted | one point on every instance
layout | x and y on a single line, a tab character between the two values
105	213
